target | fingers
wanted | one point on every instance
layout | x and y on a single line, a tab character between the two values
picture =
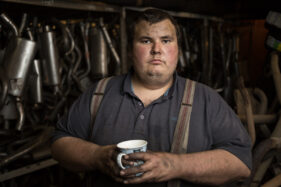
137	156
144	177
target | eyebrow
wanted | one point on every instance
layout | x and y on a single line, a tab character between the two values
162	37
167	37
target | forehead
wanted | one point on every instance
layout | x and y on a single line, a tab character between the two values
164	27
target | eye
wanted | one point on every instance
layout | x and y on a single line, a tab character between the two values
145	41
166	41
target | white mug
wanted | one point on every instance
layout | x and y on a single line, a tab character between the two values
128	147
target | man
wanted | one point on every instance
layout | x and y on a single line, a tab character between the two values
144	104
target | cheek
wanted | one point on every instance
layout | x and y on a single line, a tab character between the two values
172	54
140	53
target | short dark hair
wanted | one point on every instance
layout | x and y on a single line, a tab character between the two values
151	16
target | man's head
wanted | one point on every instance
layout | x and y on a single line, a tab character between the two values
155	48
152	16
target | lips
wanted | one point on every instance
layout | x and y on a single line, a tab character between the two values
156	61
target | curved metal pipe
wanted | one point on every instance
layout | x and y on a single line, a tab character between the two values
23	23
21	115
260	118
263	100
262	109
264	165
258	154
4	91
72	43
8	21
27	148
276	181
248	109
78	61
87	54
111	47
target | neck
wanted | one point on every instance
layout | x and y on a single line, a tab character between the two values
148	92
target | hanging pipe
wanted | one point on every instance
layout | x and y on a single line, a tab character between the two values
260	118
277	131
186	52
248	110
86	50
274	182
263	100
4	86
42	138
264	165
72	43
111	47
23	23
21	115
258	154
8	21
262	110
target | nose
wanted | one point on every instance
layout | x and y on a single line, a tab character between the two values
156	48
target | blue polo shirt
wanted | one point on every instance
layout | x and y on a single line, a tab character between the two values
122	116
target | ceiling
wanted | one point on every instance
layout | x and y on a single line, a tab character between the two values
231	9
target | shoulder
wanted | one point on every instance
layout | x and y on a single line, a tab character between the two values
201	90
112	82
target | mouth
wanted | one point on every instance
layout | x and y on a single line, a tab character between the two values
156	61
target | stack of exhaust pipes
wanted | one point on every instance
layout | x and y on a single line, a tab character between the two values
44	66
253	110
47	64
212	57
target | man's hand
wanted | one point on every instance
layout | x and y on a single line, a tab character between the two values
105	161
157	167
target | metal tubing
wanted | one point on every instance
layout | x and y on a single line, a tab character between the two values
18	57
50	57
264	165
86	50
21	115
99	54
23	23
41	139
248	110
260	118
36	84
263	100
274	182
8	21
262	109
4	86
258	154
111	47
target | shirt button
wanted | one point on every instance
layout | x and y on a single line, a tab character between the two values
140	103
142	116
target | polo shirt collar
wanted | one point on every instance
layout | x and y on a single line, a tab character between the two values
128	87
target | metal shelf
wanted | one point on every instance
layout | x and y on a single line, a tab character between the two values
70	4
27	169
182	14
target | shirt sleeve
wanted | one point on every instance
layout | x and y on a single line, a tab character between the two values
76	122
227	131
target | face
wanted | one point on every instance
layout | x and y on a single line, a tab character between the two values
155	51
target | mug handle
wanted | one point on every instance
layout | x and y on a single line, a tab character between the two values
119	160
